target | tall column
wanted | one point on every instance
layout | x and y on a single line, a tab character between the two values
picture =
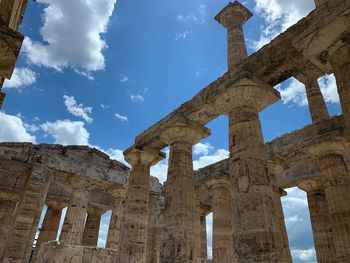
222	208
232	17
133	247
320	221
153	244
317	105
7	209
114	231
73	226
25	219
341	67
203	237
179	240
337	192
92	227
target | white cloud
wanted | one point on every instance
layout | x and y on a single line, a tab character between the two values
182	36
329	88
294	92
118	155
67	132
304	255
77	109
206	160
202	148
278	16
121	117
199	16
137	98
13	129
21	77
123	78
71	35
103	106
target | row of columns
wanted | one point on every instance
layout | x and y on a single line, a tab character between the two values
19	219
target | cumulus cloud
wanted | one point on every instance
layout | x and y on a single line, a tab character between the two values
306	255
21	77
294	92
118	155
13	129
71	35
76	109
211	158
202	148
137	98
121	117
67	132
278	16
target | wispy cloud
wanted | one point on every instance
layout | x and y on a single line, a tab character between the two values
123	78
21	78
76	109
121	117
137	98
182	36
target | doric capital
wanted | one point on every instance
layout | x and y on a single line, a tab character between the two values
185	131
143	155
233	14
312	185
329	147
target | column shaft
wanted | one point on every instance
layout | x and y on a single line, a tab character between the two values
135	227
179	234
317	105
255	238
321	227
26	216
222	224
91	230
337	191
114	232
73	226
49	228
341	68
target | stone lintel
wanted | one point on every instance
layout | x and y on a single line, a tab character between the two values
185	130
233	13
117	192
312	185
335	146
143	155
276	166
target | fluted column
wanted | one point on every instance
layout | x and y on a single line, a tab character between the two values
320	221
28	211
222	207
179	240
154	231
114	231
92	226
232	17
73	226
317	104
337	192
341	66
133	247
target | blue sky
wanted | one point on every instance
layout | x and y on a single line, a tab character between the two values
99	72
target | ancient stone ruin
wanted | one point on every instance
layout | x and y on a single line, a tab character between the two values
151	223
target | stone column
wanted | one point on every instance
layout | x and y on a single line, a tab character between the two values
133	247
337	192
114	231
232	17
320	221
74	222
203	236
222	208
7	210
179	240
153	250
92	226
27	216
341	67
317	105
